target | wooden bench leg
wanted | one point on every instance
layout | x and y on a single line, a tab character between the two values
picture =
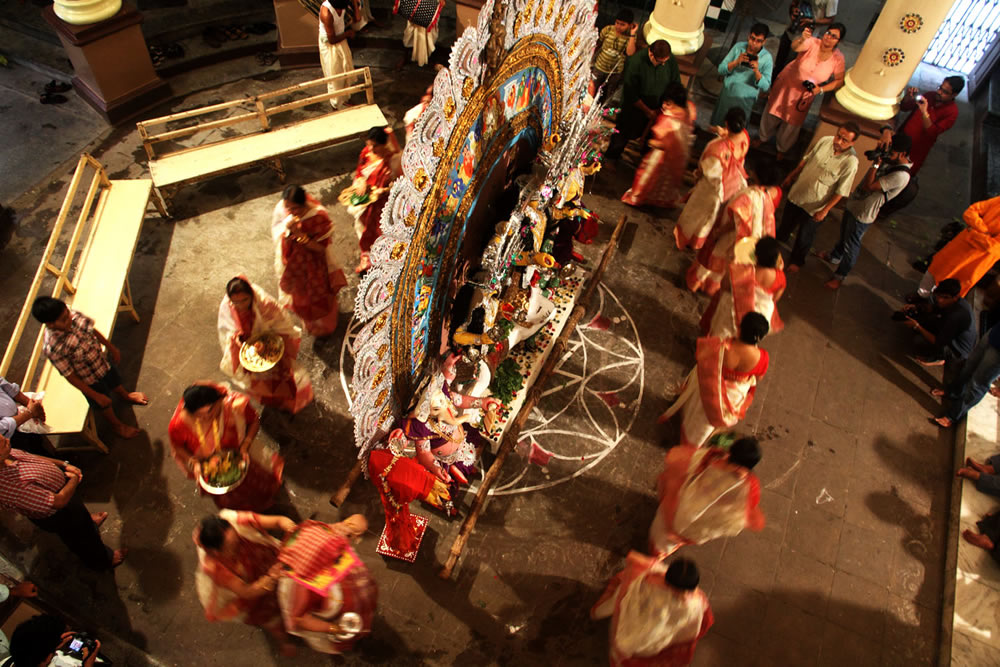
126	301
89	433
278	167
160	203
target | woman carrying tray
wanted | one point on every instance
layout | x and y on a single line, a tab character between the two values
245	315
238	570
210	419
326	593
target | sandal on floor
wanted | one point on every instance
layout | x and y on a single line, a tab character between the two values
52	98
266	59
54	86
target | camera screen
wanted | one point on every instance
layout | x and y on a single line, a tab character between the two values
76	645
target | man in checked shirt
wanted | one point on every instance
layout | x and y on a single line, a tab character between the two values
77	350
42	489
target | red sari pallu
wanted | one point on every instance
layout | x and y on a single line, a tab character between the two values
703	497
659	180
722	176
653	624
726	309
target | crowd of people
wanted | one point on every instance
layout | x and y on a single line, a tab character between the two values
305	579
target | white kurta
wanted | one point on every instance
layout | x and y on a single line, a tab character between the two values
334	58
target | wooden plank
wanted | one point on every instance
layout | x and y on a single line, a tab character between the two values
323	97
299	137
36	283
308	84
211	125
534	395
191	113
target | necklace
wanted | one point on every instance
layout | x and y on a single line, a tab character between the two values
215	431
455	438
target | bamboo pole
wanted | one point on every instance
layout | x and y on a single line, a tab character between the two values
534	395
340	495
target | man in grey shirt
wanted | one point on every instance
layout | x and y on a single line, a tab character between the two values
881	184
822	179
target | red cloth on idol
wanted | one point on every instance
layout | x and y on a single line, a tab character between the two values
407	481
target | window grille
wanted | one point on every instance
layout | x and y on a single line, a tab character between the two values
966	33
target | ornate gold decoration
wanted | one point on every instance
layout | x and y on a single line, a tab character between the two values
386	413
389	286
538	12
571	32
537	51
438	148
420	179
379	376
576	45
411	218
380	322
449	108
517	24
548	12
382	395
467	87
397	251
911	23
568	16
382	349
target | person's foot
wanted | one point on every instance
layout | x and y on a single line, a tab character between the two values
937	393
793	268
943	422
978	540
827	257
977	466
995	390
929	362
137	398
126	431
833	283
98	518
967	473
118	557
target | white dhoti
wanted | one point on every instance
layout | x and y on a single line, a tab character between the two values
421	40
335	59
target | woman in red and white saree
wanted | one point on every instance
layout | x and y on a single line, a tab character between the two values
750	288
238	570
246	313
750	214
326	594
308	274
706	493
659	180
658	613
719	390
721	175
209	418
378	167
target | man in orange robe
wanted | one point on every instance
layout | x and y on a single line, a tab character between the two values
968	256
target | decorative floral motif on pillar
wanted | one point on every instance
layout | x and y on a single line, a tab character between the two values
892	56
911	23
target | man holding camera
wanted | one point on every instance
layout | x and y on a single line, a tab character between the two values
931	114
945	327
747	72
45	641
822	179
886	178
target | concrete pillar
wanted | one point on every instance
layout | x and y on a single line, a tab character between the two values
84	12
298	35
890	55
113	72
680	22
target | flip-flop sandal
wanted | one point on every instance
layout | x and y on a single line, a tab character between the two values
54	86
173	51
52	98
156	55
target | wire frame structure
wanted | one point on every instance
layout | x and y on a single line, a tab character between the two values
967	31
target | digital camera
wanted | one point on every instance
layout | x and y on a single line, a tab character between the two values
81	641
809	86
877	154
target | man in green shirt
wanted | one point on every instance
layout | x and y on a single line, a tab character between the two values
647	75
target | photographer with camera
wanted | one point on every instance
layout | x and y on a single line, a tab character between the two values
945	328
44	641
747	72
931	114
802	14
818	69
886	178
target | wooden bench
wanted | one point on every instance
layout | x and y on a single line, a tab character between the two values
108	224
261	140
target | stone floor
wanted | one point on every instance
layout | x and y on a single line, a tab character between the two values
849	569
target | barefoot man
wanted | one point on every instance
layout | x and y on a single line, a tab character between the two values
80	353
